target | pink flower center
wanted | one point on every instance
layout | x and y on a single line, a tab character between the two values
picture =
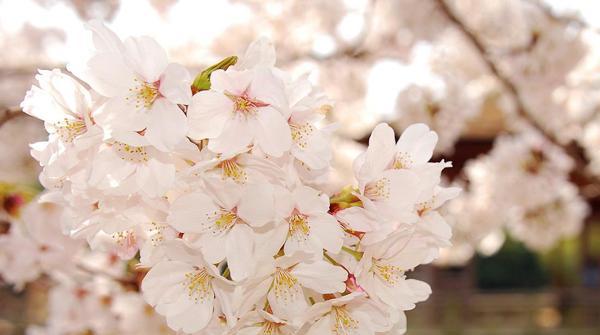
143	94
245	104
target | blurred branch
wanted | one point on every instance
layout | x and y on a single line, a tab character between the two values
504	79
9	114
578	175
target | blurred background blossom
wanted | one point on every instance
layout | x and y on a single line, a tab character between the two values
512	87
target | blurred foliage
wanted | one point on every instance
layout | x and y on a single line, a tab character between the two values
563	262
594	240
514	266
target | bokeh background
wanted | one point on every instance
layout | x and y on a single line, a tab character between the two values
511	86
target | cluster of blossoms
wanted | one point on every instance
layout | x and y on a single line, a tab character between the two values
476	228
34	244
448	91
97	305
217	184
526	178
89	291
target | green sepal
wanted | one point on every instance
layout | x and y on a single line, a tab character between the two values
202	80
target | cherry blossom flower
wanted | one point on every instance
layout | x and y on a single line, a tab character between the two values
350	313
183	288
142	88
242	108
223	225
284	282
309	228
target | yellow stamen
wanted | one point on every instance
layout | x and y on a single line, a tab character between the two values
391	274
343	321
131	153
198	284
301	134
222	220
144	93
402	160
299	227
67	129
285	285
231	169
271	328
378	190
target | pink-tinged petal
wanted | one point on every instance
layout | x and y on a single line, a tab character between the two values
162	276
193	319
295	243
409	256
321	276
175	84
444	194
268	88
118	114
208	114
212	247
42	151
67	93
358	219
272	132
167	125
287	301
235	138
317	154
433	223
260	53
40	104
371	317
239	248
107	166
147	58
321	327
191	213
224	293
104	39
257	206
378	156
161	178
310	201
268	243
421	290
284	201
400	194
109	75
419	142
129	137
403	294
226	194
92	137
230	81
328	231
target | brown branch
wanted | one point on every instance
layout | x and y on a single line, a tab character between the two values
8	115
578	175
